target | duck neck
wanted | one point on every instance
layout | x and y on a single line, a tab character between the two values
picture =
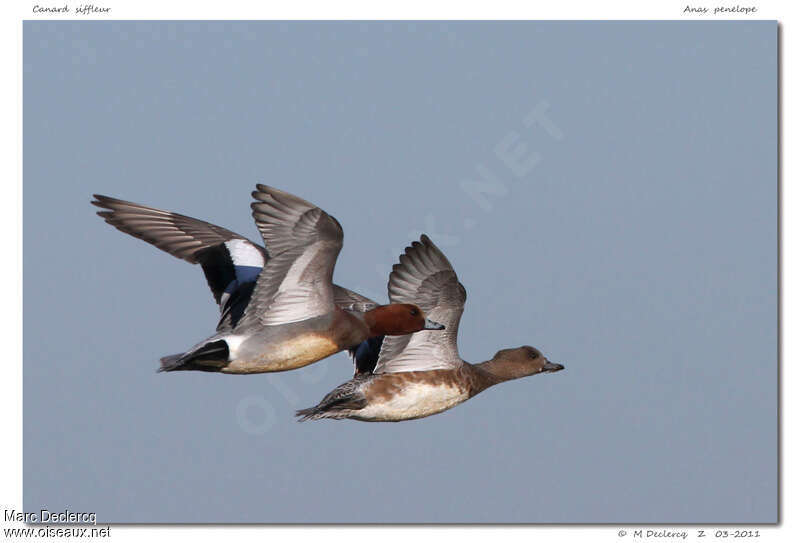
478	378
500	370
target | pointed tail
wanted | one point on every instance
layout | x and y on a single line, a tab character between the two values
171	362
211	356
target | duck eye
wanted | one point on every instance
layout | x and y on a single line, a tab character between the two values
414	311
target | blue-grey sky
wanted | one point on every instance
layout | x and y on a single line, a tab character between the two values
606	192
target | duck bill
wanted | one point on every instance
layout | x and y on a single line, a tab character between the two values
433	325
551	367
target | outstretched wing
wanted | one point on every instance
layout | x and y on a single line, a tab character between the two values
424	277
303	243
225	256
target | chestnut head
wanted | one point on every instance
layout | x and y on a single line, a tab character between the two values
399	320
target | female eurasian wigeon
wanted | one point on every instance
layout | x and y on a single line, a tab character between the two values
279	308
421	374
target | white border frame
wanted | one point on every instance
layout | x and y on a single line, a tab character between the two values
11	224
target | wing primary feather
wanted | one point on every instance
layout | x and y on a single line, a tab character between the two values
424	277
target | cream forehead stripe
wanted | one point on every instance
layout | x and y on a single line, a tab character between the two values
244	253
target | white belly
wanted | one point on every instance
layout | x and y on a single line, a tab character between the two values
288	354
415	401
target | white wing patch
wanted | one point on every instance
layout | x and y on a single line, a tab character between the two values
244	253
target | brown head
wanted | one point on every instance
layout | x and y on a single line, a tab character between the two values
520	362
398	320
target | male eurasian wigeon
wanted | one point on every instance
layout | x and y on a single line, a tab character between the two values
421	374
279	308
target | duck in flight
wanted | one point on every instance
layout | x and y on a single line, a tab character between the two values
414	376
279	309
